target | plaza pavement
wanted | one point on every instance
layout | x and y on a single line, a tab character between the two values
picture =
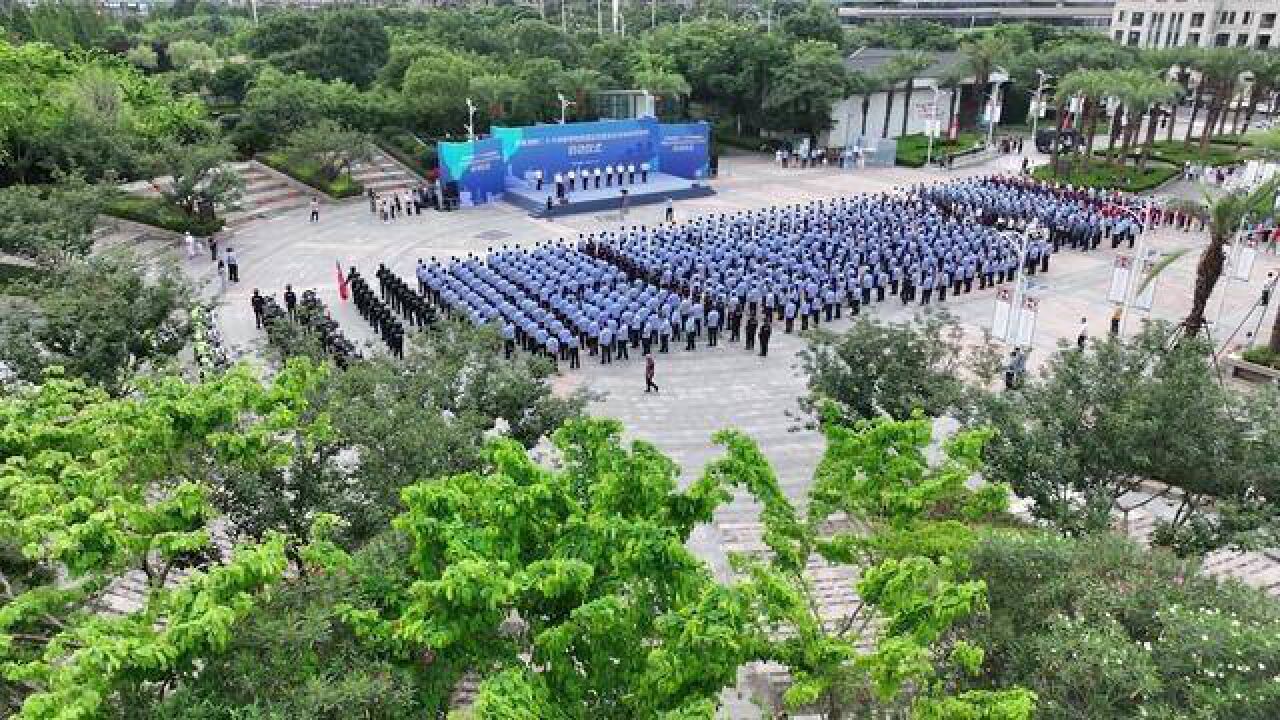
709	389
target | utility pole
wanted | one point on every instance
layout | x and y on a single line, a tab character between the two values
617	17
471	120
600	17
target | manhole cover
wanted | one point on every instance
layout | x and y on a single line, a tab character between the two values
493	235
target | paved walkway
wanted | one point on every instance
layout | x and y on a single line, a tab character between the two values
709	389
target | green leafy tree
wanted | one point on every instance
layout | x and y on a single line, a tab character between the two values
192	55
351	45
876	368
1100	422
51	224
818	22
1102	628
435	88
803	90
330	147
102	319
278	104
381	426
282	32
579	83
142	56
95	490
198	179
495	93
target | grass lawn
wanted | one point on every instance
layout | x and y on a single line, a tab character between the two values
344	186
12	277
1103	176
1262	355
158	212
1177	153
913	149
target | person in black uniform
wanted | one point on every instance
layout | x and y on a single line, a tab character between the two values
766	331
751	332
290	302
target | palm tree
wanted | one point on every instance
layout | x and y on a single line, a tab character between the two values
982	57
891	73
864	86
1225	216
913	63
1092	86
1154	93
1220	71
951	81
1265	68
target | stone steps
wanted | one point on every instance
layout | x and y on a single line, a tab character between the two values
383	174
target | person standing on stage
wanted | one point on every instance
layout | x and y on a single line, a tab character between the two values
559	185
537	179
597	174
572	176
608	175
644	172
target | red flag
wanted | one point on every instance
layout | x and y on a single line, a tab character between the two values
342	282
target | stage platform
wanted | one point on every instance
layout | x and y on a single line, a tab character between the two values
660	187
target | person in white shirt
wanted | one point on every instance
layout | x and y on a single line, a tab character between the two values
631	173
559	185
572	176
597	173
537	179
644	172
191	245
608	176
1083	335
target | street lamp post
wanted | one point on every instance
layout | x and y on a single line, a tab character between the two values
1237	246
564	106
471	119
1036	106
1139	261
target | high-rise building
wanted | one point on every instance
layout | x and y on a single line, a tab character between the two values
981	13
1196	23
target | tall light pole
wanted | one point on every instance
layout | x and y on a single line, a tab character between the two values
564	106
653	14
471	119
1036	106
617	23
1139	261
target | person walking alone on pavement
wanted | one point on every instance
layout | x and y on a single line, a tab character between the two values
649	384
765	331
259	304
315	209
233	266
1083	335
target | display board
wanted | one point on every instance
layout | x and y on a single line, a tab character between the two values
476	166
577	146
684	150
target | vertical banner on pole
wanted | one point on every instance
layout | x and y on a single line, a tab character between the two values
1120	270
1000	322
1027	320
1148	294
1244	263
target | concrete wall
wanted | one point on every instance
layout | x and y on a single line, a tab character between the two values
847	115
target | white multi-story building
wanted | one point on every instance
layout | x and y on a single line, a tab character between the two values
981	13
1197	23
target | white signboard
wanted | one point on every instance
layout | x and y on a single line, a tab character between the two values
1027	320
1244	263
1119	279
1000	323
1148	294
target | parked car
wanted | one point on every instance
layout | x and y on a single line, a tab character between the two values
1068	140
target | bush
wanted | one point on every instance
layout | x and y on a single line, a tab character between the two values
913	149
752	143
1106	177
343	186
159	212
1104	629
1215	155
1262	355
14	277
403	146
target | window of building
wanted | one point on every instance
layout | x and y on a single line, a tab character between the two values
1197	20
1134	37
1119	36
1268	21
1194	39
1222	40
1222	18
1120	16
1231	20
1137	19
1264	42
1247	17
1242	40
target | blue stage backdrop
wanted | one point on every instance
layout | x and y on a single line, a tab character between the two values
574	146
476	166
684	150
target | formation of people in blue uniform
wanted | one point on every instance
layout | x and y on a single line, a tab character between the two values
648	289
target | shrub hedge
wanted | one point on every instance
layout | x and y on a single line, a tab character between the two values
1262	355
1105	177
344	186
913	149
404	147
159	212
